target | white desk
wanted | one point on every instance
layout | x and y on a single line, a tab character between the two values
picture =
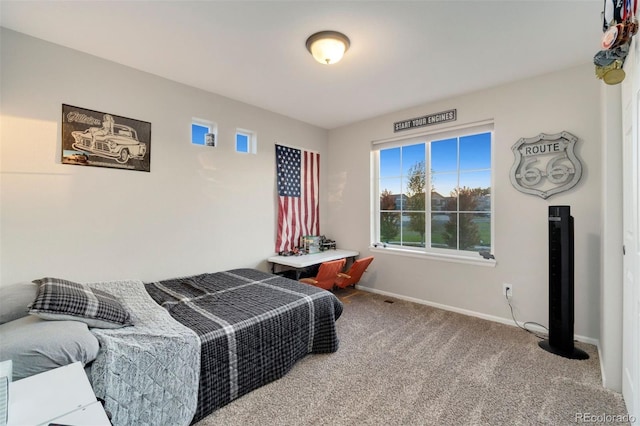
62	395
306	260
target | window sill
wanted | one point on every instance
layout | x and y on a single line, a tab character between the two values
443	257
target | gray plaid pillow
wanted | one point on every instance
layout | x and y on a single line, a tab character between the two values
59	299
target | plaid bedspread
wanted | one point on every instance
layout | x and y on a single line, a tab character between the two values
253	327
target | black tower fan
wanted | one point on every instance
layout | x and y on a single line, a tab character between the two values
561	303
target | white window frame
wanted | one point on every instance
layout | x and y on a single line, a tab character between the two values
252	141
447	255
210	125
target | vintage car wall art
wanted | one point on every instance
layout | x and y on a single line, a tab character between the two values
100	139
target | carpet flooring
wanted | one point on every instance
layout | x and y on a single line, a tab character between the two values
402	363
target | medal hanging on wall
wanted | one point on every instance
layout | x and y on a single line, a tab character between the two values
619	26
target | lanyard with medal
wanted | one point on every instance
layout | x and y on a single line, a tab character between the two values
619	27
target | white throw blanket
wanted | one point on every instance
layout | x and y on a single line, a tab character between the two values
148	373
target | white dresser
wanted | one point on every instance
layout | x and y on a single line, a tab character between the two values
61	396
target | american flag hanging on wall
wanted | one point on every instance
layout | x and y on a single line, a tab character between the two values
298	176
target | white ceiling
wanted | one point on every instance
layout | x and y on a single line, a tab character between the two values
403	53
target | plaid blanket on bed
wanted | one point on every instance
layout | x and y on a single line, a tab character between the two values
253	327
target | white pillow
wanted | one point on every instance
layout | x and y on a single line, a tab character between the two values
35	345
14	300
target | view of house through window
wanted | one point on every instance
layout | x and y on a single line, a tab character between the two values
455	172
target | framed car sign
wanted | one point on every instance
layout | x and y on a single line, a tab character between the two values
94	138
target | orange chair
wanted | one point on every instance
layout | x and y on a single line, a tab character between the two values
353	275
327	274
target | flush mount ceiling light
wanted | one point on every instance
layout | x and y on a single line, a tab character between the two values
327	47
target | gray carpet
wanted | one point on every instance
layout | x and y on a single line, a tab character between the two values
403	363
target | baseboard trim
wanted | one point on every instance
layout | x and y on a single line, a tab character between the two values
602	373
467	312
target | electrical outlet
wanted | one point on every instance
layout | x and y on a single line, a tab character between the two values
507	290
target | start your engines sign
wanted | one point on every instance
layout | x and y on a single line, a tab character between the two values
425	120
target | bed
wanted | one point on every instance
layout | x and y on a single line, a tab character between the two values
252	327
194	344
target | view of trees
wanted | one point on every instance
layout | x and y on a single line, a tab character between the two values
469	234
461	231
389	222
416	199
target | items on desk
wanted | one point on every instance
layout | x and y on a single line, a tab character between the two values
311	244
326	243
314	244
295	252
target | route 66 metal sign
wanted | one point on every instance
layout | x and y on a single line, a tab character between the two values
545	164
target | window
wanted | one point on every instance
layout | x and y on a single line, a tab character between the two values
245	141
203	132
454	170
242	142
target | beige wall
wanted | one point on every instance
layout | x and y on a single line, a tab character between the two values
567	100
200	209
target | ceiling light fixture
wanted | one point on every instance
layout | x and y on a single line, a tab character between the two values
328	47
